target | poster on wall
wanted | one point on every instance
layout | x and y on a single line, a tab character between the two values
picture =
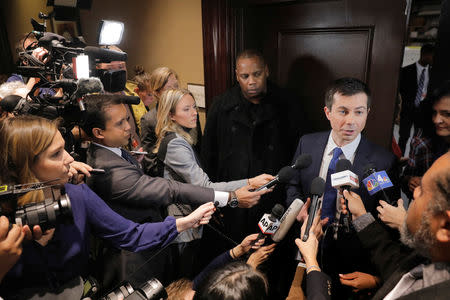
198	90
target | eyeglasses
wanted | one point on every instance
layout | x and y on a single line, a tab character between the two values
32	46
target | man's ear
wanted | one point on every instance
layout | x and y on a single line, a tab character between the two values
327	112
136	90
266	69
443	230
98	133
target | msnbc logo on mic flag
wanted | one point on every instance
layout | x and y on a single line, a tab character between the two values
377	181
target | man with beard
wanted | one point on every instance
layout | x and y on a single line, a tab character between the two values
423	268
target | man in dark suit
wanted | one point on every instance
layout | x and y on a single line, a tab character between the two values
347	104
407	272
125	187
413	88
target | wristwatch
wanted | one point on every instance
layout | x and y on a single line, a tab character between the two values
233	202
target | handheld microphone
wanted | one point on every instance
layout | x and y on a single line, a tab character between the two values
303	161
346	180
270	223
285	174
317	189
287	220
376	181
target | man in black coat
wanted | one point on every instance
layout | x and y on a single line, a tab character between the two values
410	81
249	131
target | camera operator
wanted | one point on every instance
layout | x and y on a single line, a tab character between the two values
29	44
52	264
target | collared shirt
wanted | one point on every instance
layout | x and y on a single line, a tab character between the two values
220	197
426	79
348	152
420	277
116	150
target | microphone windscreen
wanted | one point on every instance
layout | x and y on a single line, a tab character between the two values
89	86
303	161
343	164
104	55
317	186
286	174
10	102
278	211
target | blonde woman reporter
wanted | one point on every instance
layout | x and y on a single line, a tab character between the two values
177	159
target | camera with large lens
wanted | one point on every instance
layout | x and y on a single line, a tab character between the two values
55	209
150	290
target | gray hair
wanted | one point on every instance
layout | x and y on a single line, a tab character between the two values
11	88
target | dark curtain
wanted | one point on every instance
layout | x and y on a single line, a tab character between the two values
6	59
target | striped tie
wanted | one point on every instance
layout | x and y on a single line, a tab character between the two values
419	88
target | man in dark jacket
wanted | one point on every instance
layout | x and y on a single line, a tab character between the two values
251	129
413	88
247	133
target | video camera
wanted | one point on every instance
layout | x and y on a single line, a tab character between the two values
55	209
150	290
72	66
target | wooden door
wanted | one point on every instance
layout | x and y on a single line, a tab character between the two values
310	43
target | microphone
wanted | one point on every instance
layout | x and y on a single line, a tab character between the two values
88	86
287	220
303	161
285	174
317	189
376	181
346	180
270	223
105	55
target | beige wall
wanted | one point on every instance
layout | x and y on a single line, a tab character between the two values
157	32
17	14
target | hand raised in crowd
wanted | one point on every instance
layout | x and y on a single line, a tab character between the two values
40	237
413	182
303	213
139	157
260	180
10	245
309	248
78	171
200	216
359	281
247	198
355	204
390	215
260	255
249	242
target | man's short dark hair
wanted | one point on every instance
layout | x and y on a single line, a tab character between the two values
96	105
251	53
426	49
347	87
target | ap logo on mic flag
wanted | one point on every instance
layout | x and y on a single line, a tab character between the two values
377	181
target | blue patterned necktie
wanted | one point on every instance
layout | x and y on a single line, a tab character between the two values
127	156
419	88
329	196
